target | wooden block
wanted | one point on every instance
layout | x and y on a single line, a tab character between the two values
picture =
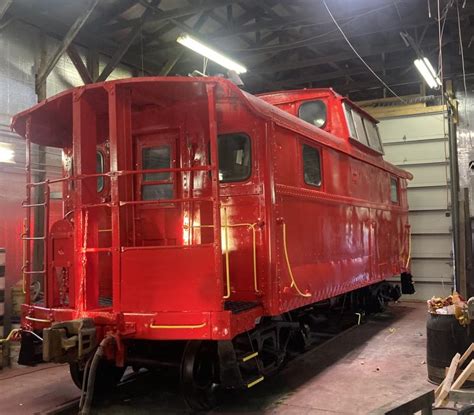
448	381
466	354
463	376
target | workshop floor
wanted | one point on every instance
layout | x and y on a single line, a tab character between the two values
365	368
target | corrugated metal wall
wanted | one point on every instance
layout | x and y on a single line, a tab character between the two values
419	143
20	47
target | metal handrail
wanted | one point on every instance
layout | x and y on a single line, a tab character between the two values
120	173
226	225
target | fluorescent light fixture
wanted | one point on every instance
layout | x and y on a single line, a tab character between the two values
427	72
7	154
210	54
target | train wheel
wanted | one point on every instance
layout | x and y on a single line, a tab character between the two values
200	375
107	377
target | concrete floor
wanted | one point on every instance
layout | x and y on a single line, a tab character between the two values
367	367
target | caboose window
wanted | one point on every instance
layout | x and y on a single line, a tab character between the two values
157	186
350	120
156	158
314	112
311	165
373	135
99	160
234	157
394	189
359	126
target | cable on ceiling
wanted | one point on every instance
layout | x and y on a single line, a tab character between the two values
359	56
302	42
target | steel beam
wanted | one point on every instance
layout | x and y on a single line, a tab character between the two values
173	14
173	60
79	64
71	34
120	52
4	6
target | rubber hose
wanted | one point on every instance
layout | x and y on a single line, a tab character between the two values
99	353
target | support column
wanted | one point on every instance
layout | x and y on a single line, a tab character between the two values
86	278
38	167
120	133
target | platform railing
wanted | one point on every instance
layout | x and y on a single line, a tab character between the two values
29	206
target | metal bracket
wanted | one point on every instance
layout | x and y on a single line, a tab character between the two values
69	340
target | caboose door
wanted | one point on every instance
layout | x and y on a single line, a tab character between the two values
156	224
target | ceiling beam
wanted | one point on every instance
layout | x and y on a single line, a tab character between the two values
130	38
172	14
79	64
70	35
364	50
4	6
339	74
169	65
316	39
116	9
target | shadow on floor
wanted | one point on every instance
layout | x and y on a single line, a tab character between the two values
158	392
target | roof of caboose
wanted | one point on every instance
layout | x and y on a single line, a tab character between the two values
51	120
295	95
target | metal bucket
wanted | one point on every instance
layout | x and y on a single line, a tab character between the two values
445	338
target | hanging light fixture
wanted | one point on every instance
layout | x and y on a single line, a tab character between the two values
427	72
211	54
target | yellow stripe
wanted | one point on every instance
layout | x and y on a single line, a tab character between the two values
255	382
185	326
38	320
250	356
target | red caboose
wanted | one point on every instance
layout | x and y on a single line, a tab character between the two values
197	219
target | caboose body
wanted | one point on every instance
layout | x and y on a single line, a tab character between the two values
196	214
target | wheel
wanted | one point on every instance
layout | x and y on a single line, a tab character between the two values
200	375
107	377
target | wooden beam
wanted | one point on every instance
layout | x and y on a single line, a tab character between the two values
339	74
120	52
117	8
7	22
364	50
70	35
169	65
4	6
92	63
173	13
57	30
174	60
79	64
443	390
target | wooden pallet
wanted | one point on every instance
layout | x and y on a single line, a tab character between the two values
450	388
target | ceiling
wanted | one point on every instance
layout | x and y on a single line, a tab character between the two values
285	44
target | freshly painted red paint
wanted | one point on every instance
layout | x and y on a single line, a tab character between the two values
162	263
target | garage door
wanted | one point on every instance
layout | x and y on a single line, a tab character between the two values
419	144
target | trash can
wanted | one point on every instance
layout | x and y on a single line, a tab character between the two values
445	337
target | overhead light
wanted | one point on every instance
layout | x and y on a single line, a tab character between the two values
427	72
7	155
210	53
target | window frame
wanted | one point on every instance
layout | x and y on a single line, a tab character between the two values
251	160
100	179
326	116
362	126
302	169
394	179
350	121
349	111
171	180
365	121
